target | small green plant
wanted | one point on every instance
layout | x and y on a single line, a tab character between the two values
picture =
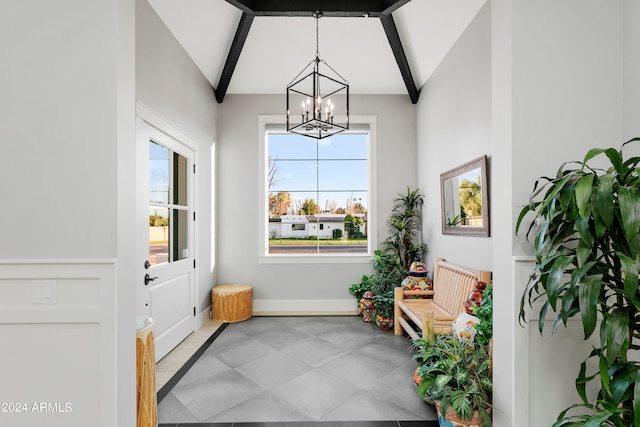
484	312
358	289
457	374
383	304
454	222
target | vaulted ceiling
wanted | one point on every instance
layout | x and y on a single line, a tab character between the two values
259	46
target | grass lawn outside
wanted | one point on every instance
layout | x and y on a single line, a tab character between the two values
314	242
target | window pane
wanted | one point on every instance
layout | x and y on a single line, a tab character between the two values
342	175
344	146
293	175
343	202
158	173
158	235
180	250
291	146
179	179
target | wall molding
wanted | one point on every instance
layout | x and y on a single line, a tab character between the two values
304	307
58	323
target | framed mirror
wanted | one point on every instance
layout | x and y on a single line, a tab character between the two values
465	199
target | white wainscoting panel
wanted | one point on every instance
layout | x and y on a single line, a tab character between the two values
58	343
547	365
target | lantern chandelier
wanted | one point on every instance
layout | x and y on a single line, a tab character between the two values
317	103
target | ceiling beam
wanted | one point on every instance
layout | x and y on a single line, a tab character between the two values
244	5
391	31
389	6
333	8
234	53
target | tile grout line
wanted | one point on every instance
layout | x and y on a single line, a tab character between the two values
168	386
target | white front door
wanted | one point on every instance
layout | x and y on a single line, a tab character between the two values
165	288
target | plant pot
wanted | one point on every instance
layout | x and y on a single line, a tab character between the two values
417	380
366	306
451	419
384	322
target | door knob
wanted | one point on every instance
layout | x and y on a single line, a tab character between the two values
148	279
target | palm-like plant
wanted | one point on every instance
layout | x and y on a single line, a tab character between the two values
587	248
404	226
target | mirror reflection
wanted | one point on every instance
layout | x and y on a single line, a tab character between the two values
464	199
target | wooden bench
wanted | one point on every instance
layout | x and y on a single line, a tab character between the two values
433	311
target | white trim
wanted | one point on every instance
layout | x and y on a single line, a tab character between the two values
52	261
521	269
165	126
314	259
366	119
203	317
291	307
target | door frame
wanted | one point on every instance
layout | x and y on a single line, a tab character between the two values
146	116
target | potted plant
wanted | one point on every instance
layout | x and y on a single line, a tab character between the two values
484	312
390	264
383	307
587	245
428	356
358	290
405	224
457	377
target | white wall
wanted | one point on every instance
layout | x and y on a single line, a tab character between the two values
454	127
557	92
67	104
532	84
630	70
169	83
238	219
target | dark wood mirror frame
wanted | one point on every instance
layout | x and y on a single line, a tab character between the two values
453	224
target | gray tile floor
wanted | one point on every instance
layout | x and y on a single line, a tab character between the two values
288	369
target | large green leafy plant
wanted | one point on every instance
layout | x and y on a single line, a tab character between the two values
587	249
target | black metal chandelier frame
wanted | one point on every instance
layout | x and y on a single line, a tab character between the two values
313	123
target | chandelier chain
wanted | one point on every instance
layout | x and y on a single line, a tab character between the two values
317	35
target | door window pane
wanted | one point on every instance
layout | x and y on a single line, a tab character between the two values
158	235
180	246
179	180
158	173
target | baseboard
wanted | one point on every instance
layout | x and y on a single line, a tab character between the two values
305	307
203	317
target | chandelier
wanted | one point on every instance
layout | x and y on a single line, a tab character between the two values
318	102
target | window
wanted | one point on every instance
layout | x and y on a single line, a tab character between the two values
168	205
327	239
317	194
